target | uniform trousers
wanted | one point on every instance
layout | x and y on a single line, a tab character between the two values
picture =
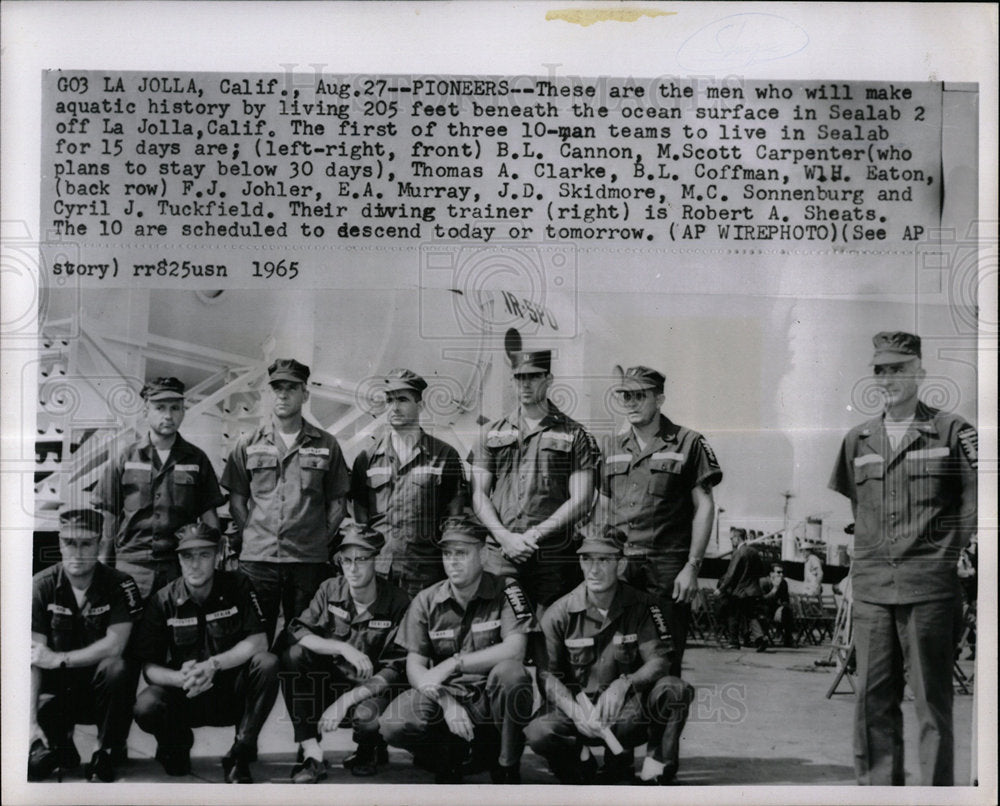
899	644
242	697
551	572
288	587
149	575
657	718
99	695
654	573
504	704
311	682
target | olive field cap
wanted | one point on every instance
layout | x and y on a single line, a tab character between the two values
197	536
600	540
80	523
287	369
163	389
640	377
363	535
529	362
462	529
404	380
895	347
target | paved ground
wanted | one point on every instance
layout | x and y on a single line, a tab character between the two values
757	719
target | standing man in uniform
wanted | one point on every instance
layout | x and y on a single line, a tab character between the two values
81	618
658	477
287	483
152	488
206	661
911	476
611	642
343	658
465	637
534	474
406	482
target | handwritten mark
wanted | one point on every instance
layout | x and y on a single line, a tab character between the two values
740	40
588	16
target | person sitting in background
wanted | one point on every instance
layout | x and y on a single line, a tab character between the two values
776	603
739	589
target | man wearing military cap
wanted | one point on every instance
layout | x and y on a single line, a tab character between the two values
287	482
534	473
657	482
406	481
465	637
910	474
610	643
205	658
343	659
151	488
81	619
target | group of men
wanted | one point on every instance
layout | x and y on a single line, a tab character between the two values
426	637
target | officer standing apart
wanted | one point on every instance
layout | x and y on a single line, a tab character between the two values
206	661
534	473
465	637
344	658
911	476
81	618
287	483
152	488
658	477
611	642
405	483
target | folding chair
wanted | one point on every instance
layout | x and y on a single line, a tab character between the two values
843	647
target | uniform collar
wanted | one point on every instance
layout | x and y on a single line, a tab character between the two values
579	602
384	442
487	589
179	448
552	418
923	425
182	595
666	434
63	583
382	605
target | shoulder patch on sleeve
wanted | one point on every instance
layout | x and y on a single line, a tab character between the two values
132	597
712	460
969	440
661	623
517	600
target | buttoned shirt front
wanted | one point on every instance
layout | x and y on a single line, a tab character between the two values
587	651
112	598
175	628
914	507
531	468
288	492
333	614
650	487
437	626
153	499
409	499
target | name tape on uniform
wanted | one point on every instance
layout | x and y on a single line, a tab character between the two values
338	611
482	626
145	467
268	449
436	634
62	611
186	468
578	643
629	638
182	622
306	451
672	455
96	611
929	453
620	457
867	459
229	611
380	624
378	471
428	470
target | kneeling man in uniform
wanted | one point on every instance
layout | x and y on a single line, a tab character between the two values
611	642
204	647
343	658
465	638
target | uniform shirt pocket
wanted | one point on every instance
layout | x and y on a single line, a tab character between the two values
664	473
224	628
581	651
263	470
136	485
928	471
183	631
61	626
445	642
185	478
626	646
313	469
485	633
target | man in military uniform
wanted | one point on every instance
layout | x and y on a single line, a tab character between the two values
343	658
658	478
739	590
206	661
81	618
406	482
612	643
465	637
287	483
152	488
911	476
534	473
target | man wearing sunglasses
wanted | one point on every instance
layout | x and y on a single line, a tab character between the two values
658	478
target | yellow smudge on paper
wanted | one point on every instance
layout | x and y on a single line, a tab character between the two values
588	16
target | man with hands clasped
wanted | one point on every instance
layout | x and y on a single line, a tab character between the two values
343	659
204	647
